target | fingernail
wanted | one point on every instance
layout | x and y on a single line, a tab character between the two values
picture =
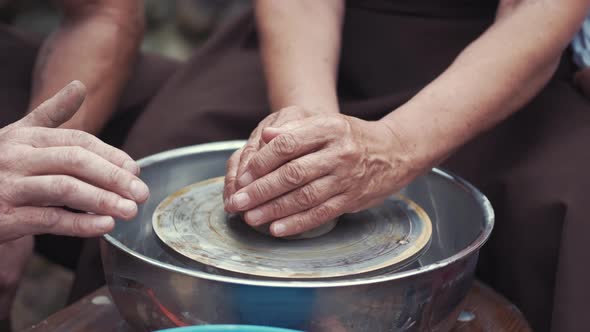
278	229
131	166
127	207
104	224
241	200
245	179
139	190
254	217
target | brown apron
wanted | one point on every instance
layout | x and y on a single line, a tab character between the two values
532	166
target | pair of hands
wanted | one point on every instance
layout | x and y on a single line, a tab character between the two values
301	169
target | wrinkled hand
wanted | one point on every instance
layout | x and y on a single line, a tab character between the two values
318	168
44	169
236	164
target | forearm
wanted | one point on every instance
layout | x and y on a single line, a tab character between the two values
300	43
97	43
491	79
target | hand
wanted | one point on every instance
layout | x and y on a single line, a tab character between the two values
315	169
14	256
236	164
44	169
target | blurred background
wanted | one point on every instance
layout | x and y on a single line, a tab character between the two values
174	28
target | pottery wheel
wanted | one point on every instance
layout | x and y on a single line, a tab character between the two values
193	222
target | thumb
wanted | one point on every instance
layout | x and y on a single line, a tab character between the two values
58	109
269	133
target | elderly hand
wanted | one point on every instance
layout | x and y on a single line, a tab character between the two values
315	169
237	163
44	169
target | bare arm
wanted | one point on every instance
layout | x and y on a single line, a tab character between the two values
517	56
96	43
313	169
300	45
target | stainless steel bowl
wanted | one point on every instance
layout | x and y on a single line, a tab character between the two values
156	288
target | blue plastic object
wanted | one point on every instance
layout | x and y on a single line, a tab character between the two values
227	328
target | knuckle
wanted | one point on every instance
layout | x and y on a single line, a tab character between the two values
254	134
233	161
275	207
49	218
11	153
349	151
11	158
17	132
63	186
78	137
285	144
300	225
115	177
83	139
292	174
306	196
117	156
228	190
335	122
6	212
78	227
105	201
113	155
9	193
257	164
248	148
261	189
323	212
73	156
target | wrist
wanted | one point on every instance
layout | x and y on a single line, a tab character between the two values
420	145
310	104
317	99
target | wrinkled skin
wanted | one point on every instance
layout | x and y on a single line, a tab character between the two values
44	169
314	169
236	165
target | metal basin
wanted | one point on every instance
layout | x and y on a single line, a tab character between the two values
154	287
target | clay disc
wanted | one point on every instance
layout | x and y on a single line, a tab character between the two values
193	222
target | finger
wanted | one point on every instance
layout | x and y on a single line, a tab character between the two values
270	133
229	182
247	152
89	167
279	151
63	190
310	219
45	137
298	200
288	177
58	109
39	220
327	126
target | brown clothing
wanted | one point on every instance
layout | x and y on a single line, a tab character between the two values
532	166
